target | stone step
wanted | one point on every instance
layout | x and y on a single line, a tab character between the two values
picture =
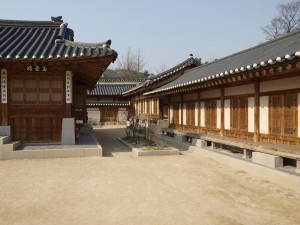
11	146
5	139
199	143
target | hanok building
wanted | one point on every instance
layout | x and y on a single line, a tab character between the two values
156	107
106	104
249	100
45	76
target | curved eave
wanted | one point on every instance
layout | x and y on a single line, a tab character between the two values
228	72
104	52
161	76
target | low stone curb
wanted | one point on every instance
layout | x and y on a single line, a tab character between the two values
140	152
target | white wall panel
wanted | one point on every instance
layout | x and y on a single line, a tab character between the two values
239	90
264	115
211	94
219	114
179	111
251	114
202	114
196	113
282	84
184	114
171	112
227	114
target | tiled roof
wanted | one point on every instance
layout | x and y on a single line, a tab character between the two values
110	89
268	53
190	61
45	40
121	79
108	103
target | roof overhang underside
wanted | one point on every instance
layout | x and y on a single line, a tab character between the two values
86	70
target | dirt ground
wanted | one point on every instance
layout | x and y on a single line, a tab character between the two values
122	188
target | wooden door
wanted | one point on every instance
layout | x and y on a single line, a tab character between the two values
36	108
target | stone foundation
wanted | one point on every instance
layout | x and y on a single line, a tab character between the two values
267	160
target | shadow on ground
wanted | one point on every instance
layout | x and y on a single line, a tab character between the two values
107	138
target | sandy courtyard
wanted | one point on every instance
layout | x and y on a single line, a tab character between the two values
126	189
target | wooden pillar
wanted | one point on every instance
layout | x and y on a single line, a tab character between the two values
69	93
4	98
256	111
151	107
181	114
222	112
199	111
169	111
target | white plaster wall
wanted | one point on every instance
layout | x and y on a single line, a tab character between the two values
196	113
211	94
282	84
219	114
251	114
227	114
299	115
264	115
240	90
184	113
145	107
202	114
190	97
179	113
151	107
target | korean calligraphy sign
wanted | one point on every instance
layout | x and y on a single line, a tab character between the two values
69	83
3	86
36	68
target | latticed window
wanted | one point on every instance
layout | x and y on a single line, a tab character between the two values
239	114
37	91
190	113
283	114
211	113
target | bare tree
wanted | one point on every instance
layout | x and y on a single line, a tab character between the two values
288	20
131	62
160	69
140	62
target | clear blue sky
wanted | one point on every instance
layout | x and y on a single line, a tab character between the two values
166	32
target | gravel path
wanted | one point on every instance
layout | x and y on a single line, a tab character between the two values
126	189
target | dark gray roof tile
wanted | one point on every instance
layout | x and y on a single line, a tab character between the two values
154	79
45	39
110	89
286	47
108	103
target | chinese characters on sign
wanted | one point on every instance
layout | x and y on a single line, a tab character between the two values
3	86
68	87
36	68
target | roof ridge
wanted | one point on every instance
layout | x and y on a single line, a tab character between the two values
190	58
248	49
28	23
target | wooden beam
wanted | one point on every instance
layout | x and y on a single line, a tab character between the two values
222	112
199	109
256	136
169	101
181	99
